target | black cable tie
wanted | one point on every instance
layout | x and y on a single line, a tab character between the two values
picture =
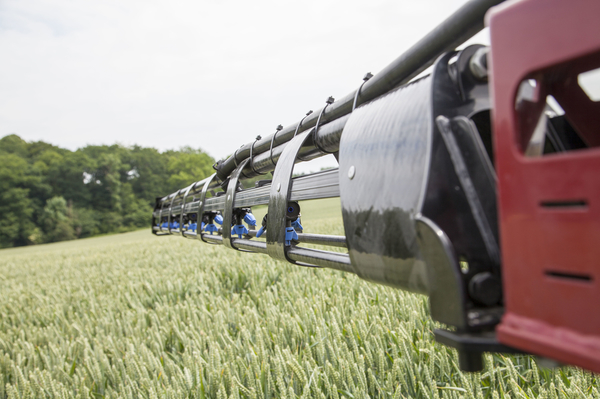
367	76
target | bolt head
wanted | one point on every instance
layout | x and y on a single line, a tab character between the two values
278	187
485	288
478	64
351	172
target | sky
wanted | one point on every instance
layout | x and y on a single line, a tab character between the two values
206	74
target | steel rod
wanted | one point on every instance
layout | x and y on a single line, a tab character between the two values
255	246
322	239
330	260
328	139
214	239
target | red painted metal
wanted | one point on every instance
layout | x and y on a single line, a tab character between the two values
549	207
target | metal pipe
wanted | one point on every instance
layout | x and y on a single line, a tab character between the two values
322	239
249	245
331	260
214	239
456	29
328	139
195	189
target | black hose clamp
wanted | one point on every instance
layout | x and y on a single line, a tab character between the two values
328	102
252	159
235	157
302	120
279	127
367	76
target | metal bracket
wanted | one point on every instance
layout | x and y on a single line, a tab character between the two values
462	172
169	220
201	207
471	346
160	216
183	210
229	199
279	198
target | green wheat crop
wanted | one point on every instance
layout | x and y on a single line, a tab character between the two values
138	316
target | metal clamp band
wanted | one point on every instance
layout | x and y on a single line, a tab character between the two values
160	216
278	200
279	127
367	76
183	209
300	123
329	101
229	199
169	220
201	208
252	158
235	158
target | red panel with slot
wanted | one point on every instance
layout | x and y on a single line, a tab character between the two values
549	205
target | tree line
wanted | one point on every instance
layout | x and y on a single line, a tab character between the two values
50	194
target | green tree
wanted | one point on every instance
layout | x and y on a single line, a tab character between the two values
187	166
86	222
15	218
51	194
66	176
148	175
16	208
56	220
13	144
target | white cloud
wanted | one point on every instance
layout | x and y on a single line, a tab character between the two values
209	74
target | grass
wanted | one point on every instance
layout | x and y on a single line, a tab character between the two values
138	316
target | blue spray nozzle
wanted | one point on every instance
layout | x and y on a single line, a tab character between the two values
239	229
290	234
297	226
210	228
250	219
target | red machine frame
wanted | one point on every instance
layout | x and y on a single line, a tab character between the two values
549	207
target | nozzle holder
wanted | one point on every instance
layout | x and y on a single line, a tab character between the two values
280	212
293	210
182	214
229	210
202	200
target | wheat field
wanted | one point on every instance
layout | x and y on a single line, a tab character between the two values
139	316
